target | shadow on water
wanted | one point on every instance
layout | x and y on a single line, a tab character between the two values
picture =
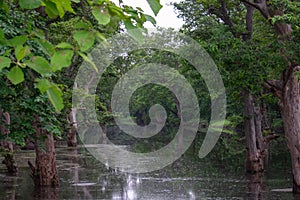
83	177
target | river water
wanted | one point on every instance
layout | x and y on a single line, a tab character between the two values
83	177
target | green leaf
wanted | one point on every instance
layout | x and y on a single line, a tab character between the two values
62	6
102	15
67	5
85	39
76	1
51	9
55	96
82	25
150	19
30	4
46	46
64	45
4	62
53	92
59	8
39	64
21	52
60	59
134	32
43	85
16	75
87	59
17	41
155	6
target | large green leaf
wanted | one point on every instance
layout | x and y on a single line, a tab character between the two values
51	9
21	52
16	75
43	85
46	46
4	62
155	6
85	39
39	64
102	15
55	96
61	58
30	4
62	6
17	41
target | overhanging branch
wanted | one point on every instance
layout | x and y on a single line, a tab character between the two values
259	5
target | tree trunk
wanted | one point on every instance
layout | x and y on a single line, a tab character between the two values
256	187
44	173
9	159
72	140
254	139
290	111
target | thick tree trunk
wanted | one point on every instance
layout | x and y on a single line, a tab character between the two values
46	193
44	173
290	111
254	139
256	186
9	159
72	140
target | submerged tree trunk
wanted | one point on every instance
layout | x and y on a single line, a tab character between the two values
290	111
256	145
287	89
7	147
254	139
44	173
256	187
72	134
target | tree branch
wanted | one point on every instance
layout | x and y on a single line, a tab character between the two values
275	86
259	5
249	22
222	13
268	138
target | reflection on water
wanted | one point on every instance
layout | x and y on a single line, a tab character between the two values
83	177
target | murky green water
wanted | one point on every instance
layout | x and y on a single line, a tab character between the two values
83	177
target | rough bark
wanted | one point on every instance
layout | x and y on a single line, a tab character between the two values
287	90
290	112
44	173
254	139
46	193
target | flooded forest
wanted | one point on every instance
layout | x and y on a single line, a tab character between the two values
94	104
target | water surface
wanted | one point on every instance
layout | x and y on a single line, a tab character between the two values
83	177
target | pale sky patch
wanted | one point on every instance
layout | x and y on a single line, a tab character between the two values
166	17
